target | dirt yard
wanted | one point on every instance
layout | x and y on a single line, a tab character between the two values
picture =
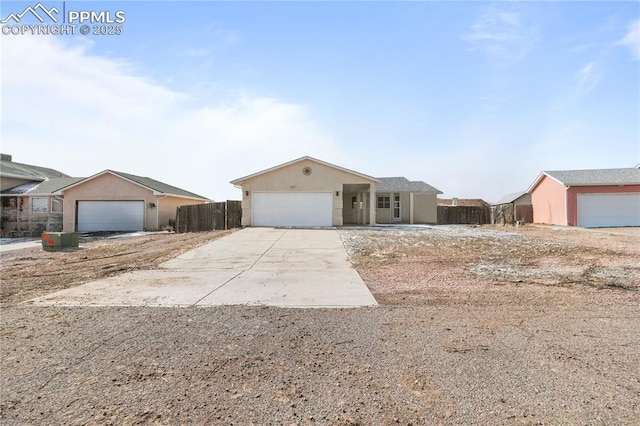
484	325
33	272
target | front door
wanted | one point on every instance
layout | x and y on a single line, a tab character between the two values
396	207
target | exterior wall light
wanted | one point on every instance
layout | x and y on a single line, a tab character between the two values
246	193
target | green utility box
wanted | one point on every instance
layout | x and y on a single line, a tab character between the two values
56	241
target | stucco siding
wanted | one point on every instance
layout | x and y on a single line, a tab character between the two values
572	197
549	203
523	200
405	211
425	208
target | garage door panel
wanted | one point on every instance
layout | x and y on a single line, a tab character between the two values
292	209
608	210
95	216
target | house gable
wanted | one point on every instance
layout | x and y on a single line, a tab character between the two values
548	197
156	187
105	186
316	169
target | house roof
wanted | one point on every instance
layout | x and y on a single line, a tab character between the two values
510	198
593	177
47	187
11	169
239	181
159	188
402	184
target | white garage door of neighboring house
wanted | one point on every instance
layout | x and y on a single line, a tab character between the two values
604	210
292	209
96	216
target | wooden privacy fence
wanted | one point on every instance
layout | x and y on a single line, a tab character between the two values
208	217
451	215
503	214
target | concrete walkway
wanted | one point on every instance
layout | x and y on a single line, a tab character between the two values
19	245
254	266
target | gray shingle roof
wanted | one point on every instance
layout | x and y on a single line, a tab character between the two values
158	186
47	187
21	189
402	184
510	198
627	176
27	171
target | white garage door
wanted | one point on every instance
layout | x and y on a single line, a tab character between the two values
603	210
292	209
96	216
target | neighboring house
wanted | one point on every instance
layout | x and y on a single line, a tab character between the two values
513	209
587	198
516	198
116	201
311	192
29	204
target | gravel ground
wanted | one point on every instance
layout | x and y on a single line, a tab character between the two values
402	266
452	343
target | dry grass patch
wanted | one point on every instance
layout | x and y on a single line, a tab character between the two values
409	262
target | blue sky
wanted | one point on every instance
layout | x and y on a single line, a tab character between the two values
475	98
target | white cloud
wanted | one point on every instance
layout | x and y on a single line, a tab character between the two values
68	109
501	32
587	78
632	39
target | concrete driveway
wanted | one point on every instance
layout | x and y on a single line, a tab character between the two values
254	266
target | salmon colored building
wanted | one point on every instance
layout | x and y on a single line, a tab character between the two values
587	198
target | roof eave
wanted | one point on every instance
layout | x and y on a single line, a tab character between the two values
189	197
602	184
15	176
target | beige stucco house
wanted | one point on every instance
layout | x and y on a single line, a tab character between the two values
311	192
116	201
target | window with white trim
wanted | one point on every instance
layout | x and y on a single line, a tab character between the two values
384	202
39	204
56	205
